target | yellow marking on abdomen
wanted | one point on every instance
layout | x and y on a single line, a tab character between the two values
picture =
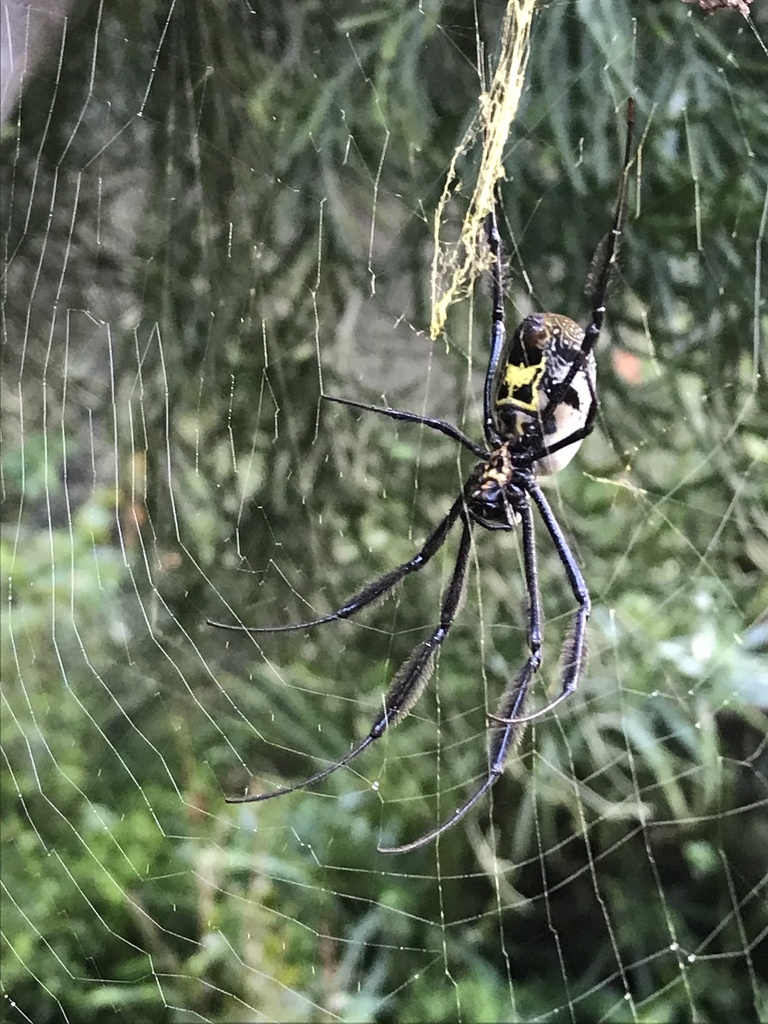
522	378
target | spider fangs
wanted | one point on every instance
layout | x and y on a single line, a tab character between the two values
539	403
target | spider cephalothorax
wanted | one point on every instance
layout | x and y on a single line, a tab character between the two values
539	403
494	489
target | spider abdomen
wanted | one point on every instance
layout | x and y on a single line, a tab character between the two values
538	357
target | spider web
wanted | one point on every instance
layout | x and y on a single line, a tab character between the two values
212	216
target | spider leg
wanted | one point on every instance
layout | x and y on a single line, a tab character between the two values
577	435
574	650
497	325
379	588
412	417
506	734
410	680
504	738
606	258
254	798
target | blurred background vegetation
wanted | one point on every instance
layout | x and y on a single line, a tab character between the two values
211	212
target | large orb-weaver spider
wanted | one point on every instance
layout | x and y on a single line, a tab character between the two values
539	403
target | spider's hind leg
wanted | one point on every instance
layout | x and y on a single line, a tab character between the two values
604	264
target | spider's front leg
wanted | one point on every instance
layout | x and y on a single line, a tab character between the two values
409	682
574	649
370	593
506	734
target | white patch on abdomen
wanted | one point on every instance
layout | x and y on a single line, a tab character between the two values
567	421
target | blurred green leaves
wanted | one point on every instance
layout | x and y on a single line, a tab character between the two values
227	213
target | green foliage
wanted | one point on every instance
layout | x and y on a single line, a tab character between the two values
181	286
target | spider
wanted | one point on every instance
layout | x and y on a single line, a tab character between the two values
539	403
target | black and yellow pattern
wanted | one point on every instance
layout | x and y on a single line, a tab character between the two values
539	403
534	362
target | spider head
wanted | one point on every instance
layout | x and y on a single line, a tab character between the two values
493	490
527	405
